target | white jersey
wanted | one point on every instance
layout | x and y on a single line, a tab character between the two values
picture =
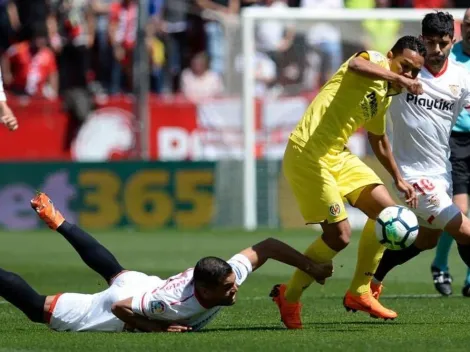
171	300
421	125
176	301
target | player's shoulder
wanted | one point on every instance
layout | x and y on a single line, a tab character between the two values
372	55
458	72
457	68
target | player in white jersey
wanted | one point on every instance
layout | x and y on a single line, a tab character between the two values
6	116
420	144
136	301
460	160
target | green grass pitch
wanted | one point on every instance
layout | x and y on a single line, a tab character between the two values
425	323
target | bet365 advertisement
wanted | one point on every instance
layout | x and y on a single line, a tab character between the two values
109	195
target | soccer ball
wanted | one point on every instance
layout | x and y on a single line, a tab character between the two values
396	227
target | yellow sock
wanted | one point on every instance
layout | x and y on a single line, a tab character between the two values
318	252
368	257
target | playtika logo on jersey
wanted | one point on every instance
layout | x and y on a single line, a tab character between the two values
430	104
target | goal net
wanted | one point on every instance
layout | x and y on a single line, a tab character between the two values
278	58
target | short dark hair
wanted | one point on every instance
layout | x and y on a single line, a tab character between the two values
211	271
409	42
438	23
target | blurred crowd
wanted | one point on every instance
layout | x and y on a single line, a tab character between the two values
74	48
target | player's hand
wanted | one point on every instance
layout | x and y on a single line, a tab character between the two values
410	194
411	85
320	271
178	328
10	121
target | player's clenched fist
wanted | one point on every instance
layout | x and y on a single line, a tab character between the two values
411	85
321	271
10	121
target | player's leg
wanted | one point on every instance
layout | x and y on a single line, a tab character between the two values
440	268
459	229
461	200
319	201
435	210
94	254
427	239
460	179
364	190
371	200
17	291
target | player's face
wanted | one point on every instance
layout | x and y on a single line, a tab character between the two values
407	64
226	293
465	29
438	49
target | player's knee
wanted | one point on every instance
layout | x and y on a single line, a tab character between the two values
345	236
338	239
427	244
459	229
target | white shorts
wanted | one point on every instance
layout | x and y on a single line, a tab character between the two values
84	312
435	207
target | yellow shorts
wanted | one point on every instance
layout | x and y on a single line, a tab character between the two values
321	183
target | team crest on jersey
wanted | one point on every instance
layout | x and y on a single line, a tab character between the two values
157	307
335	209
454	89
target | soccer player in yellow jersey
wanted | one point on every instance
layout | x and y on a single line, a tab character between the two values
321	171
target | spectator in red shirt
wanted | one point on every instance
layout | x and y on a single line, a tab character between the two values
30	67
122	33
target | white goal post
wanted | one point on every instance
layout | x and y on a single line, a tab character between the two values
250	16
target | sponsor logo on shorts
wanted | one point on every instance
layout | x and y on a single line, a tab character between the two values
434	200
157	307
335	209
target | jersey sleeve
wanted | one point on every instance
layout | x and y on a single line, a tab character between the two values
376	125
465	104
241	266
149	304
374	57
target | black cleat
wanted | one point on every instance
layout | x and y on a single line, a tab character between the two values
466	290
442	281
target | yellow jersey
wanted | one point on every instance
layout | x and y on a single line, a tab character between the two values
345	103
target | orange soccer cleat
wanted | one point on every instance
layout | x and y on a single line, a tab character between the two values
290	312
46	211
367	303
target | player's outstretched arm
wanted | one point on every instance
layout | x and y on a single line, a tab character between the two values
123	310
363	66
282	252
383	151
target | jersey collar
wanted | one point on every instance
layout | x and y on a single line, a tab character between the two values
441	72
390	91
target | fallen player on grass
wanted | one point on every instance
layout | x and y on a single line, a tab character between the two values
136	301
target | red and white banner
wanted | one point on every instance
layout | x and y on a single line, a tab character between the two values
177	130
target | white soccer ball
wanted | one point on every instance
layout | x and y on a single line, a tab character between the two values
396	227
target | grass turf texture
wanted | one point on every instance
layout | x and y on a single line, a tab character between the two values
50	265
